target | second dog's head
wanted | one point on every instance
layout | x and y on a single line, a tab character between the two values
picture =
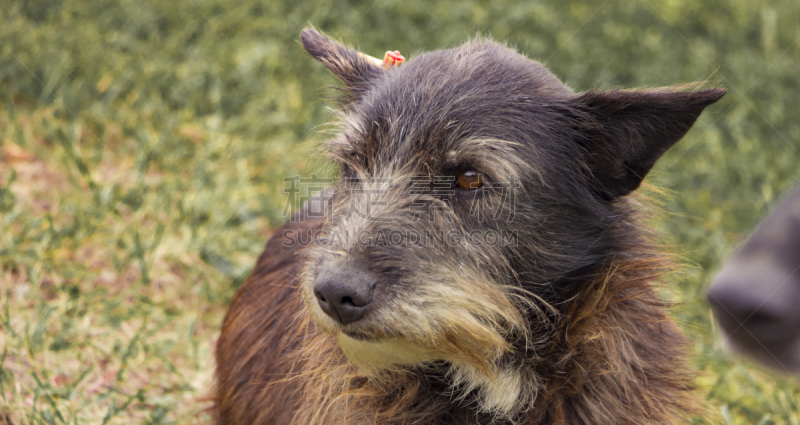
477	195
756	294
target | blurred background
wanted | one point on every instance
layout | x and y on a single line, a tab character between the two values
143	146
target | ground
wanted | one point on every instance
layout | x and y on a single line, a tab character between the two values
143	147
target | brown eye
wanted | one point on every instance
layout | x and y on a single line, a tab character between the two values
469	179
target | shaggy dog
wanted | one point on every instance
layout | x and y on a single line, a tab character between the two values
480	259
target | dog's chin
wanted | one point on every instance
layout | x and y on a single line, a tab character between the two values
373	356
359	336
499	388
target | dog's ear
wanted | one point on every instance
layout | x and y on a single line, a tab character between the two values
628	131
348	65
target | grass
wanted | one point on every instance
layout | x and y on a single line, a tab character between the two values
143	147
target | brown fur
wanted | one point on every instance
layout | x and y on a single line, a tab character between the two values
254	334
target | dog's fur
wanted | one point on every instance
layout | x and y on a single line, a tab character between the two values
561	327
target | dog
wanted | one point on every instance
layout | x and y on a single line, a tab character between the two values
481	259
757	293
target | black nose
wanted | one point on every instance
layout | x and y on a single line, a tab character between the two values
749	313
344	294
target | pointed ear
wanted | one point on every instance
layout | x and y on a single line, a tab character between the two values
628	131
351	67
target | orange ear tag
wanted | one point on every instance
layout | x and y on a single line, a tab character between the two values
390	59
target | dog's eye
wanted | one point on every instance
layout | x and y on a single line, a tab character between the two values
469	179
347	172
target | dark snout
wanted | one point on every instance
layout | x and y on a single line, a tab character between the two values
344	292
756	304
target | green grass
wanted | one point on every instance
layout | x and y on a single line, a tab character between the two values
143	146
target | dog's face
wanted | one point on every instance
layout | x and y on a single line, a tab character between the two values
477	193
